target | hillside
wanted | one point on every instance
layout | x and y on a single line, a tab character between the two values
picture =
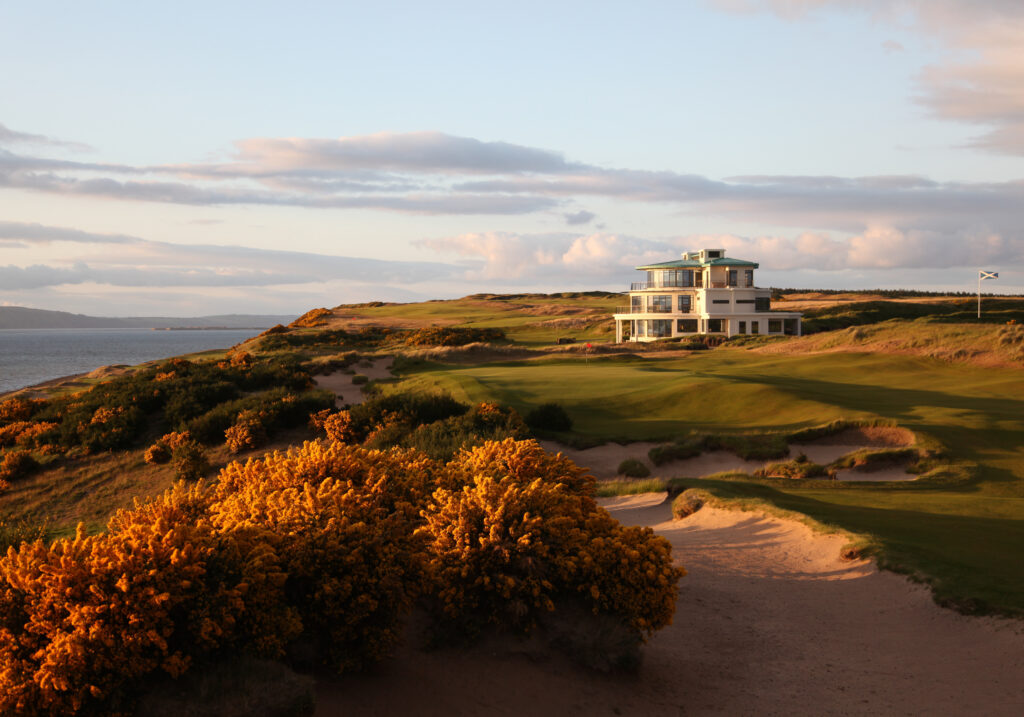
373	391
20	317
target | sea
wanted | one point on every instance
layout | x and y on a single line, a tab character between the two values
31	356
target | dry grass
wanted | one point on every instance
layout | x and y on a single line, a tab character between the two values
978	344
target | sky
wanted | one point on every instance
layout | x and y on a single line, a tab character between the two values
199	158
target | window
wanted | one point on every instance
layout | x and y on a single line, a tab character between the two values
715	325
748	277
632	329
719	301
677	277
686	326
641	328
775	326
744	301
661	304
762	303
743	327
685	303
660	327
755	327
698	279
636	304
733	277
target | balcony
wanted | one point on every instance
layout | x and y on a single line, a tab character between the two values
644	285
641	310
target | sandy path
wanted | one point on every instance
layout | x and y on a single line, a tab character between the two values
769	622
341	383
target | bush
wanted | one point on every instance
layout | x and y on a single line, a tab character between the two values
508	546
359	379
687	503
632	468
549	417
85	617
793	469
247	432
342	519
157	454
450	336
16	465
660	455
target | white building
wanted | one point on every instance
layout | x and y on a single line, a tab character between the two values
702	293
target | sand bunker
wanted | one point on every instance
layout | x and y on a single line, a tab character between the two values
603	461
769	621
341	383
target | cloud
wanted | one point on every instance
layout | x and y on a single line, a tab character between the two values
892	46
127	261
981	81
421	152
445	175
9	136
580	217
596	258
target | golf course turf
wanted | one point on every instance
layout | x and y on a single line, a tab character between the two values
966	539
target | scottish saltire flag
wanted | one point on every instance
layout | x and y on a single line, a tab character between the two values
988	275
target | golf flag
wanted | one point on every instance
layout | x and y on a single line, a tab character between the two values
982	275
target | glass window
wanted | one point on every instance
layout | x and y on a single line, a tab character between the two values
719	301
762	303
660	327
733	277
775	326
748	277
755	327
636	304
686	326
661	304
715	325
743	327
685	303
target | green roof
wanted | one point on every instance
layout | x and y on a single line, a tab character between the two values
694	264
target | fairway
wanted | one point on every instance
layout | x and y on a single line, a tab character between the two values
968	540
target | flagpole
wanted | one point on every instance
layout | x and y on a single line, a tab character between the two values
979	294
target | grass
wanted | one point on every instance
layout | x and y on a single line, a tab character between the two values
964	536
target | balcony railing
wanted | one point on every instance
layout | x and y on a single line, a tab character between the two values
651	310
644	285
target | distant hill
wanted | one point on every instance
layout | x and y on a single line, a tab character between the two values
20	317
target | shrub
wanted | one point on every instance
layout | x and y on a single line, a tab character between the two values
632	468
549	417
452	336
85	617
524	461
509	545
342	518
793	469
157	454
483	422
687	503
247	432
189	460
660	455
15	465
359	379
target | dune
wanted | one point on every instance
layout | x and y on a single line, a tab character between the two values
769	621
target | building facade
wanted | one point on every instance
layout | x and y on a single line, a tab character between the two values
703	293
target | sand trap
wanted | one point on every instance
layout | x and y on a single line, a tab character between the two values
603	461
769	622
341	383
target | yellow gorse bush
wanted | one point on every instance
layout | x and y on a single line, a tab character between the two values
319	550
523	532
